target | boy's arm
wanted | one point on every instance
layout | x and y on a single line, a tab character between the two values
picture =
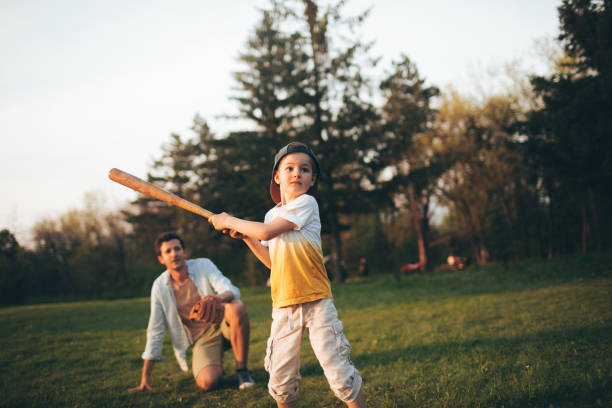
261	251
253	229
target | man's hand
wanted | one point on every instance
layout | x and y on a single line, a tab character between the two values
145	379
144	386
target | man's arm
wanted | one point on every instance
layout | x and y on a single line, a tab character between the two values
145	380
225	297
155	336
155	329
219	283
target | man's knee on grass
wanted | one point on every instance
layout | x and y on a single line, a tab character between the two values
208	377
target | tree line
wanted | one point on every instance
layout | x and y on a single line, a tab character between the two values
409	173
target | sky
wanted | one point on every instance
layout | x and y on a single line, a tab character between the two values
86	86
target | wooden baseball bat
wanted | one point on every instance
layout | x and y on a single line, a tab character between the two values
149	189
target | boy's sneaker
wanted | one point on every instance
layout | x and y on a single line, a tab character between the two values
244	379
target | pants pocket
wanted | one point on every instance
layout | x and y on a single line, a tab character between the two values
342	344
268	358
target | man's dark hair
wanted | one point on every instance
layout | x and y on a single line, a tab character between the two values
165	237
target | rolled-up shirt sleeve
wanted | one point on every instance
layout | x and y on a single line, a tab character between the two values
219	282
297	211
155	330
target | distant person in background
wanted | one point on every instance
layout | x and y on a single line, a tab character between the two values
363	267
410	268
173	295
455	262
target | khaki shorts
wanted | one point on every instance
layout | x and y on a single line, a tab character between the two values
208	349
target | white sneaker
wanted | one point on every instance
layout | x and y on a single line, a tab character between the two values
244	379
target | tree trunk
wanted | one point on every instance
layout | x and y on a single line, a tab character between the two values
550	229
318	46
464	208
511	231
417	217
475	250
425	224
336	243
585	226
595	230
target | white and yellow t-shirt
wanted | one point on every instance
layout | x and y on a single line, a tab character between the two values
298	274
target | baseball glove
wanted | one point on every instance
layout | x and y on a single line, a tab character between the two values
209	310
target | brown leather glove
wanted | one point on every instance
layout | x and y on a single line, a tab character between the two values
209	310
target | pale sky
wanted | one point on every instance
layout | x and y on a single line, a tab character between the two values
90	85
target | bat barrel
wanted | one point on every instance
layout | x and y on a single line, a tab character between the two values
150	190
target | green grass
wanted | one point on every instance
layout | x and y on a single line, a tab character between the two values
537	334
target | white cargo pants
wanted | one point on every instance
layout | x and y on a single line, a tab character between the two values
328	343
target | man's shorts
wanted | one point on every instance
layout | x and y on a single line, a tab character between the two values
208	349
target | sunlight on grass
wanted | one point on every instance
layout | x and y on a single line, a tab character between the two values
536	334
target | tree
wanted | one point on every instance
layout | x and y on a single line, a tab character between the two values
303	82
405	145
83	252
570	140
485	182
13	270
224	174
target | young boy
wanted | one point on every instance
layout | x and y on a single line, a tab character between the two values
301	292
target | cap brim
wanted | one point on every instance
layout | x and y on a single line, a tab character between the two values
275	191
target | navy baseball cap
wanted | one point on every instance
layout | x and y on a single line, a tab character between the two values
293	147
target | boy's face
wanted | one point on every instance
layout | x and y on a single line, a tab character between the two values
295	176
172	254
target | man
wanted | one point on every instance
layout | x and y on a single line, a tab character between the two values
173	295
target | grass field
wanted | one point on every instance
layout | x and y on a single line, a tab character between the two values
535	335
